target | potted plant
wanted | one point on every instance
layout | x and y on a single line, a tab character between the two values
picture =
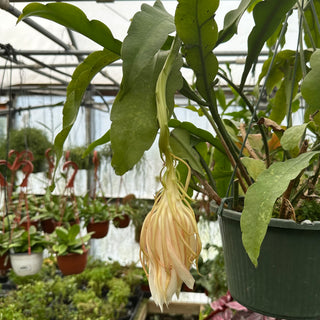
56	210
96	215
23	215
26	251
5	239
140	209
34	139
275	168
75	154
50	212
211	275
23	209
121	214
71	249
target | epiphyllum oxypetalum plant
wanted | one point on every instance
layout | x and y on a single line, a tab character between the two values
169	238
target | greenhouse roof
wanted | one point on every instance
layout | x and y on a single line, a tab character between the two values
39	56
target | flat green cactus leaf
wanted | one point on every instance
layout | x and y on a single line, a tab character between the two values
260	199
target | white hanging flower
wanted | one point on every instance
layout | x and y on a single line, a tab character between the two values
169	241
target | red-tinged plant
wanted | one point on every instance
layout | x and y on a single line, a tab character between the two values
225	308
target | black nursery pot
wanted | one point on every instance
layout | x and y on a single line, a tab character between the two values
286	283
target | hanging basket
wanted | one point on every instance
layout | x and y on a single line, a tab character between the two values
24	224
121	222
5	262
286	282
99	229
49	225
24	264
72	263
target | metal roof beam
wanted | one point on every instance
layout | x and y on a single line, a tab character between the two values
86	52
50	76
40	63
98	1
11	9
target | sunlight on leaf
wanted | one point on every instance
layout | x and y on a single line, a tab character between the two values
254	166
292	137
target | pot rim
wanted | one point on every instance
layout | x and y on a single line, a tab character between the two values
74	253
275	222
26	253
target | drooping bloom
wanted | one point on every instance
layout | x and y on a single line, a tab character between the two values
169	242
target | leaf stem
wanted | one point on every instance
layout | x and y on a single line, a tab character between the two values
251	108
162	110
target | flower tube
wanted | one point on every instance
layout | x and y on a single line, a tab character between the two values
169	241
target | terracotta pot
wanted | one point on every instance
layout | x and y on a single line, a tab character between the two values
121	222
100	229
72	263
24	225
49	225
24	264
5	262
185	288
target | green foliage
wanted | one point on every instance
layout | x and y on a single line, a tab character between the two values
221	172
134	113
77	297
72	17
96	209
38	241
267	16
81	78
231	21
134	117
141	43
197	133
199	32
180	142
102	140
97	277
6	238
311	16
9	312
211	275
291	139
309	90
32	139
284	81
260	199
56	206
140	209
118	293
77	155
254	166
308	209
69	240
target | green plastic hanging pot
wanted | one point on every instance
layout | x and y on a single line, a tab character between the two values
286	283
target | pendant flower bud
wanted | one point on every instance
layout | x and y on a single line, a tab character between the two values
169	242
